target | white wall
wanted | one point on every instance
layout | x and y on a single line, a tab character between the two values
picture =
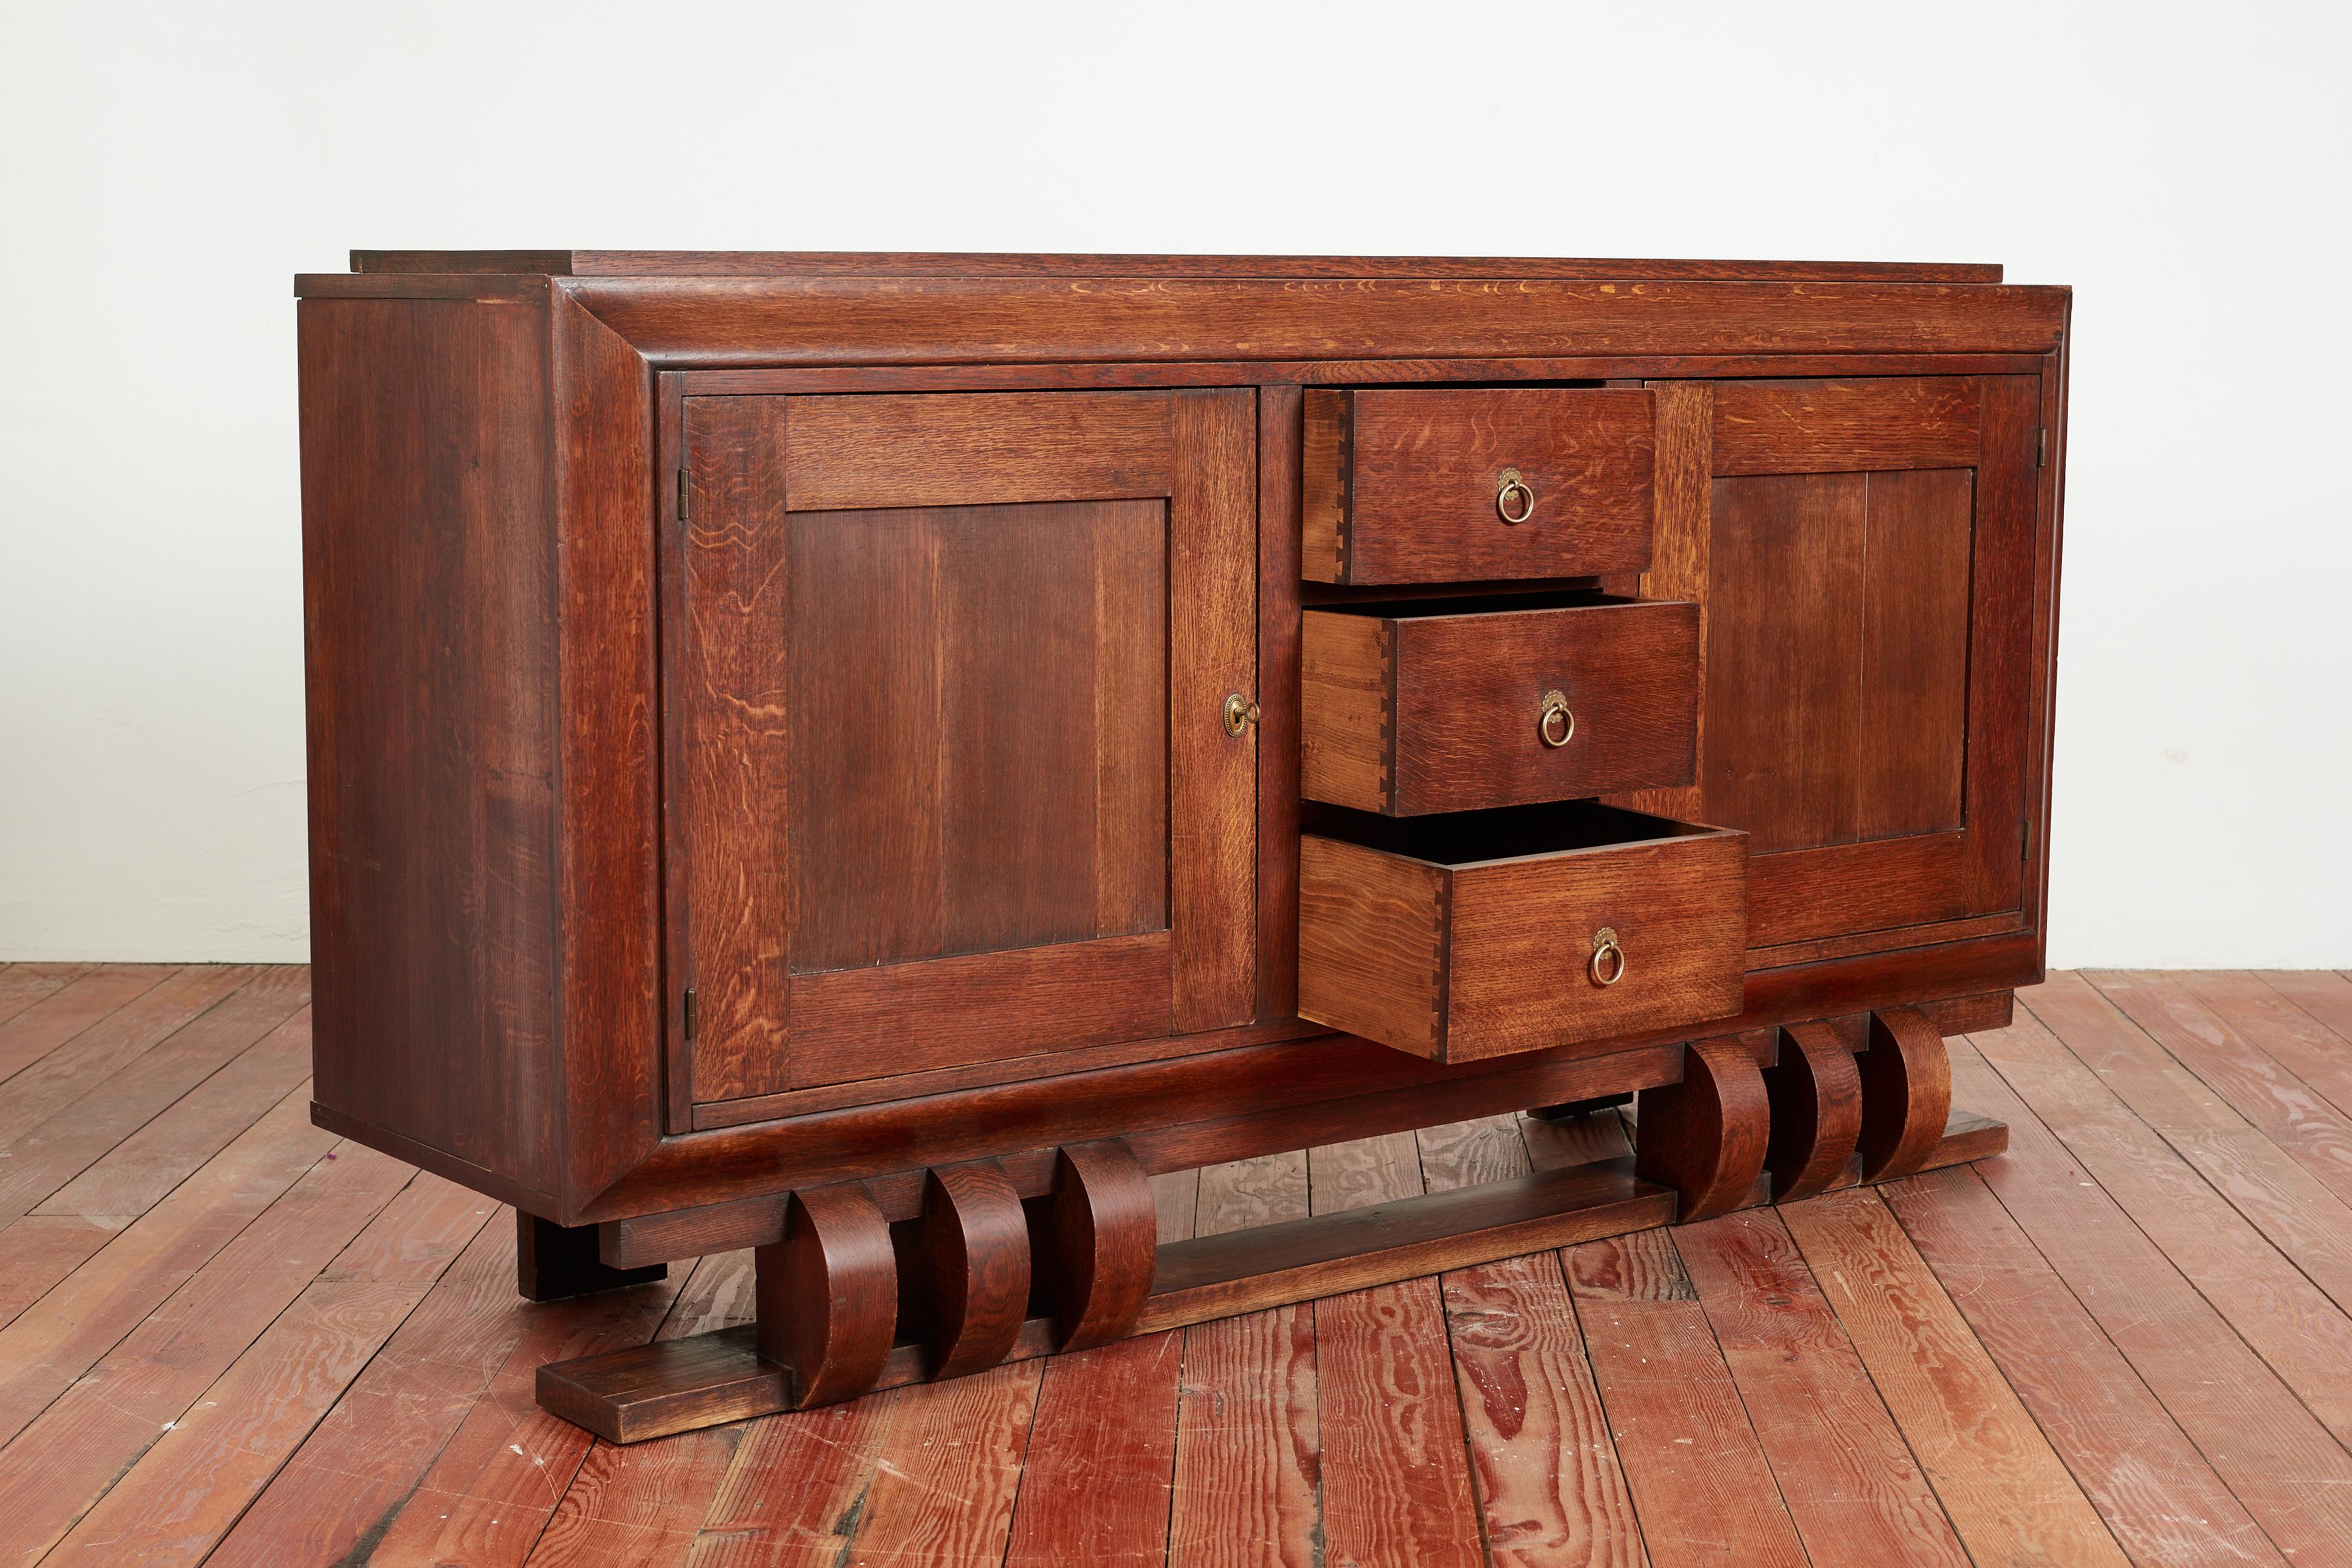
168	168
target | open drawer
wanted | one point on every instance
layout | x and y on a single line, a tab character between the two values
1480	933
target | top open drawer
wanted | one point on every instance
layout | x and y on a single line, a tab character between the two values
1476	485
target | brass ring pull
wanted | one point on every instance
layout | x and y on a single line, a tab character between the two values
1519	510
1240	713
1608	965
1554	721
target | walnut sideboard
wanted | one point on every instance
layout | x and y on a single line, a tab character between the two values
874	758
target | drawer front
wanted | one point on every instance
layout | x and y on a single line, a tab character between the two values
1410	486
1461	961
1416	714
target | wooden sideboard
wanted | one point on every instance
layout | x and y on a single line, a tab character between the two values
872	758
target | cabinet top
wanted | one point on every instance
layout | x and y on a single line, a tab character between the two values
981	264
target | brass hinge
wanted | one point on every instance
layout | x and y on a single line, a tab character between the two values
685	493
2041	454
687	1010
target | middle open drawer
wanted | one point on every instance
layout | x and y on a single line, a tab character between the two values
1456	704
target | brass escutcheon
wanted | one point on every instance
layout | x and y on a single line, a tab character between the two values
1515	511
1605	950
1240	713
1554	721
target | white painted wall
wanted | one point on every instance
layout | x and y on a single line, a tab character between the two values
169	168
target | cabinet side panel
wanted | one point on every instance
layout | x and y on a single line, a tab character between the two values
428	584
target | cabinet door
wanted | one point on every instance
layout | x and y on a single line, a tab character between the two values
1864	550
950	779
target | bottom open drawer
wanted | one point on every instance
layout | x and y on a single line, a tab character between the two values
1483	933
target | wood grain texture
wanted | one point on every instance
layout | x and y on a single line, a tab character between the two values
1915	652
426	435
1439	709
2008	1494
1549	1484
1093	1257
1906	1094
1830	426
1795	895
609	987
1816	1112
1396	1484
1386	1239
22	985
1278	741
2156	1492
1678	569
1852	1487
2003	739
1700	1482
1212	652
846	452
971	1268
777	321
1422	470
1096	1481
1676	895
828	1295
729	747
1347	716
96	1051
2283	1465
1707	1136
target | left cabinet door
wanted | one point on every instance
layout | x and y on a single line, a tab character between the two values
948	778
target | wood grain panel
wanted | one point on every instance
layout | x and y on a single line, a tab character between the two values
1678	569
1784	640
1372	942
1345	709
430	591
1279	739
1842	427
926	451
1422	470
1796	894
1323	485
886	1018
2001	659
972	691
1213	651
777	321
1095	1481
1915	651
729	754
1677	904
1407	714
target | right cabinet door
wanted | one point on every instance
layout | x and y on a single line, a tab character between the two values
1864	553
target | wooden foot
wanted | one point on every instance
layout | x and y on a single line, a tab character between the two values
1906	1094
965	1275
554	1261
1095	1250
1706	1136
1816	1096
827	1295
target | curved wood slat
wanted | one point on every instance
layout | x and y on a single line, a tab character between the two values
1706	1135
828	1295
1096	1249
1906	1094
970	1255
1816	1097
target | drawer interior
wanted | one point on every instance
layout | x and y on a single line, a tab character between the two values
1459	838
1427	606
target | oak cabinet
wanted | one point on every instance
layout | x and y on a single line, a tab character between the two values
875	758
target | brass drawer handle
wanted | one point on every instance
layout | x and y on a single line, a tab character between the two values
1514	510
1608	965
1554	721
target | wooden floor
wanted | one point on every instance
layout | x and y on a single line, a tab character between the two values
228	1337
